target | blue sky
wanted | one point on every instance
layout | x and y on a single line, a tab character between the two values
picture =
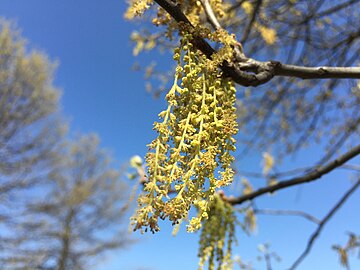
101	94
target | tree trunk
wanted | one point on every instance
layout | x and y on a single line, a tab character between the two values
66	237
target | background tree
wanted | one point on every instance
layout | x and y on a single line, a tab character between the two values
311	41
61	202
30	127
28	105
77	219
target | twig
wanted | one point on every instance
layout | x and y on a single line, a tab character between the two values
317	173
341	141
335	9
236	5
251	22
317	232
274	175
287	213
210	14
268	261
351	167
291	172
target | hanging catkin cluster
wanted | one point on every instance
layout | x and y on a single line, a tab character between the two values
217	236
191	155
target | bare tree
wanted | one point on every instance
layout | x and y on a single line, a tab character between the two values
77	219
61	202
29	128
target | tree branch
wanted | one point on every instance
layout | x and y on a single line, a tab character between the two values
335	9
351	167
210	14
317	173
317	232
277	175
251	22
250	72
317	72
287	213
236	5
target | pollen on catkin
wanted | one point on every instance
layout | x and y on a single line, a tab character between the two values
191	156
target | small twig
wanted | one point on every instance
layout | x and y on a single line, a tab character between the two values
275	175
268	261
350	127
249	26
335	9
351	167
210	14
287	213
317	232
236	5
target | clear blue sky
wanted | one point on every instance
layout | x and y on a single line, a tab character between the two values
101	94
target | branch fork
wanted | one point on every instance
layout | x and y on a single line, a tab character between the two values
250	72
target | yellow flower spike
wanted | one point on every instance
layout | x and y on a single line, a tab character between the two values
186	156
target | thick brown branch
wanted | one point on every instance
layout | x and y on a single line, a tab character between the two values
312	176
317	232
174	10
250	72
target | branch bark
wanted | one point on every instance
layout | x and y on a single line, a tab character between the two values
65	241
311	176
250	72
317	72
